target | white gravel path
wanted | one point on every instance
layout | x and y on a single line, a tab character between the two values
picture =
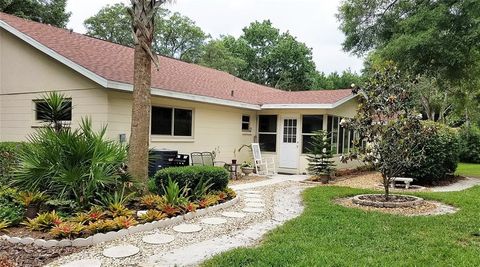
282	202
458	186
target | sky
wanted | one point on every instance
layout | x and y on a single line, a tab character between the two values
311	21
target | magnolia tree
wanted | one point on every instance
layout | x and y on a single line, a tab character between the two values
386	125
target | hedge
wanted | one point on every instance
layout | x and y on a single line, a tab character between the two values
191	176
470	144
441	154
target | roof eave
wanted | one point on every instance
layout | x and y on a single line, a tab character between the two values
309	106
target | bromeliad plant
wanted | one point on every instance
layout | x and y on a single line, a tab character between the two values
387	121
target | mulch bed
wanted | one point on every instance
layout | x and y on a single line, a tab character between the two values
24	232
392	198
29	255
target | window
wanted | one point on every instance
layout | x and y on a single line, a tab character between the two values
42	110
310	124
267	132
342	139
171	121
246	123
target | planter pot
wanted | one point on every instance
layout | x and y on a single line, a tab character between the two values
247	170
32	211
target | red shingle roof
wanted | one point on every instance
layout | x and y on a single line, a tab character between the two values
115	63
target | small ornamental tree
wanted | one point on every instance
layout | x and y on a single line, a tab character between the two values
320	155
387	125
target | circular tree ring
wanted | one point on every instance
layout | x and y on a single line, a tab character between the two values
395	201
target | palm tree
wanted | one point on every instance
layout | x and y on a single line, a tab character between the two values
143	15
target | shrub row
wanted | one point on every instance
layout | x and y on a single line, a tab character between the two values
441	150
190	176
470	144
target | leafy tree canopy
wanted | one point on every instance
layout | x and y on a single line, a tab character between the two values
175	35
433	38
45	11
335	80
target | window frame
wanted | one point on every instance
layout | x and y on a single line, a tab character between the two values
268	133
35	112
248	123
172	130
310	134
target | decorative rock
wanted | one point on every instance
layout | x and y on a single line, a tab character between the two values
64	243
14	240
254	205
157	239
187	228
84	263
27	240
121	251
5	237
134	229
253	210
51	243
189	216
149	226
214	221
232	214
82	242
37	242
122	233
98	238
160	224
112	235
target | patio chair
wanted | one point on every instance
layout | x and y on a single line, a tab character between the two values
204	159
263	166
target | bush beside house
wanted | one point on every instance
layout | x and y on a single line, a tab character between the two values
441	149
8	160
191	176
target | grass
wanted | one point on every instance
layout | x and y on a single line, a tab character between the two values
327	234
468	169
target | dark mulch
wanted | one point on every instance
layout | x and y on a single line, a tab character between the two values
392	198
29	255
21	231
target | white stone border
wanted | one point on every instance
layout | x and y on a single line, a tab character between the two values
112	235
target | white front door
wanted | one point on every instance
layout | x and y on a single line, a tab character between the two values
289	144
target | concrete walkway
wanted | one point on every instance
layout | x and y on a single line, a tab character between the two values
458	186
274	179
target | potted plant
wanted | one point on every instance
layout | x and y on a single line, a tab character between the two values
32	202
320	163
247	168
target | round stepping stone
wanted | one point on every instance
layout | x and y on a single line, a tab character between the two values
214	221
83	263
254	205
157	239
187	228
233	214
121	251
253	210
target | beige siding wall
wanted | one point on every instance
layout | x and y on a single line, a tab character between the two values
25	74
214	126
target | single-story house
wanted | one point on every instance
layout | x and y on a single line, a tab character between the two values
194	108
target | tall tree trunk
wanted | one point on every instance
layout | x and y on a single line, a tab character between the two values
141	106
143	16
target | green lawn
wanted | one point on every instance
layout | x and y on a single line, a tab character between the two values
468	169
330	235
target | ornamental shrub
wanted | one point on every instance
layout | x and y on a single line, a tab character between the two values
8	160
441	150
470	144
191	176
10	210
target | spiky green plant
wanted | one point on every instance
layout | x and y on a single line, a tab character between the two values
53	109
74	165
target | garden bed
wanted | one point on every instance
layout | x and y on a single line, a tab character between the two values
393	201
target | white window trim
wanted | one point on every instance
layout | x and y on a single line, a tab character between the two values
249	131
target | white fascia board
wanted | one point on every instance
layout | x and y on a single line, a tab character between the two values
308	106
85	72
185	96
